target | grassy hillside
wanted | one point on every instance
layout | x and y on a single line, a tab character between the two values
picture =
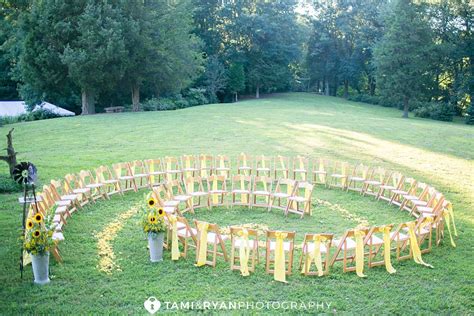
290	124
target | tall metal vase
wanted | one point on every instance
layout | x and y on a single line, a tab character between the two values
155	243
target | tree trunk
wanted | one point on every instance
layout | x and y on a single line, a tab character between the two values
346	89
10	158
236	97
326	90
88	105
136	98
257	92
405	108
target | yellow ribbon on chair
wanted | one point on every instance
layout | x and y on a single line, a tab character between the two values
449	208
203	166
289	190
202	254
446	216
174	237
359	252
415	248
244	252
187	166
282	165
222	165
189	190
263	161
279	273
322	176
344	173
386	249
169	177
244	163
151	169
215	197
315	256
242	187
303	175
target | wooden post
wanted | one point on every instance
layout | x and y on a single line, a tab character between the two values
10	158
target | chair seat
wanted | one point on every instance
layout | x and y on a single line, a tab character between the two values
261	193
112	181
281	195
322	248
300	170
299	199
58	236
198	193
401	236
173	171
419	202
357	179
350	243
410	197
387	187
400	192
61	210
190	169
238	191
263	169
286	245
156	173
81	191
63	203
337	175
126	177
94	185
182	198
222	169
245	168
424	209
140	175
185	233
57	219
212	238
172	203
252	243
372	182
218	192
70	197
374	240
319	172
422	231
169	209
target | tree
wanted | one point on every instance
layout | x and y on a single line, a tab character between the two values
402	57
236	79
215	78
94	58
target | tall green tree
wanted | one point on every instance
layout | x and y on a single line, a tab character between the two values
236	79
403	55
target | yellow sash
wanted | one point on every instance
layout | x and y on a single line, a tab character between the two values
202	255
189	190
315	256
279	273
263	161
244	163
303	174
344	173
414	245
359	253
151	169
203	166
386	249
169	177
222	165
446	218
244	252
242	187
289	190
174	237
187	165
449	208
307	196
215	197
322	176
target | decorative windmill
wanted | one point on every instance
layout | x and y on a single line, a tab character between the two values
25	174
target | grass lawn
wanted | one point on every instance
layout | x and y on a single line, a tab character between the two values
435	152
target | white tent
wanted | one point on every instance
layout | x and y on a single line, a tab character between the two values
16	108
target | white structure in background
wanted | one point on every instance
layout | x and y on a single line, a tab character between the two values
16	108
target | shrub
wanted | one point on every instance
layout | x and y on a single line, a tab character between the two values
365	98
470	115
439	111
41	114
7	185
196	96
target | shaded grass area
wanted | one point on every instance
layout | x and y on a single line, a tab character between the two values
439	153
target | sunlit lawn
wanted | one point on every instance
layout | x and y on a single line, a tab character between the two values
290	124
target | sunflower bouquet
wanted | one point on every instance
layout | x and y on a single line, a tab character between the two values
153	219
38	238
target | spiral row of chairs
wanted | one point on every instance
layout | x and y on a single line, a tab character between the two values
184	184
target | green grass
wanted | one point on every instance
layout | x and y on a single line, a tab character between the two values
438	153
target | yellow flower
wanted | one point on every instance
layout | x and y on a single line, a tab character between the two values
36	234
151	202
38	217
29	224
152	219
161	212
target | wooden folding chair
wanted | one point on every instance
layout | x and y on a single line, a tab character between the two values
206	166
97	189
359	175
320	171
199	196
241	186
172	168
106	177
288	247
284	189
339	175
154	169
237	241
400	237
372	184
309	243
281	167
186	233
435	207
346	245
300	168
63	208
124	174
189	164
425	205
175	192
408	188
419	194
140	174
244	164
60	193
262	187
375	242
72	185
263	166
222	166
214	239
394	181
217	190
300	201
161	197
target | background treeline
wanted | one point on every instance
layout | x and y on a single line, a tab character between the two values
85	55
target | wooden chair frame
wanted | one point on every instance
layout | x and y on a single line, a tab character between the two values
281	167
320	171
346	255
394	181
189	164
105	176
300	168
72	185
263	166
374	242
97	189
140	174
289	242
172	168
376	178
124	174
360	174
241	185
307	242
219	241
338	178
257	191
279	195
222	166
221	191
302	195
206	166
175	192
202	196
155	171
253	245
244	164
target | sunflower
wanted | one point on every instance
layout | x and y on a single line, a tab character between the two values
38	218
161	212
36	234
151	202
29	224
152	219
